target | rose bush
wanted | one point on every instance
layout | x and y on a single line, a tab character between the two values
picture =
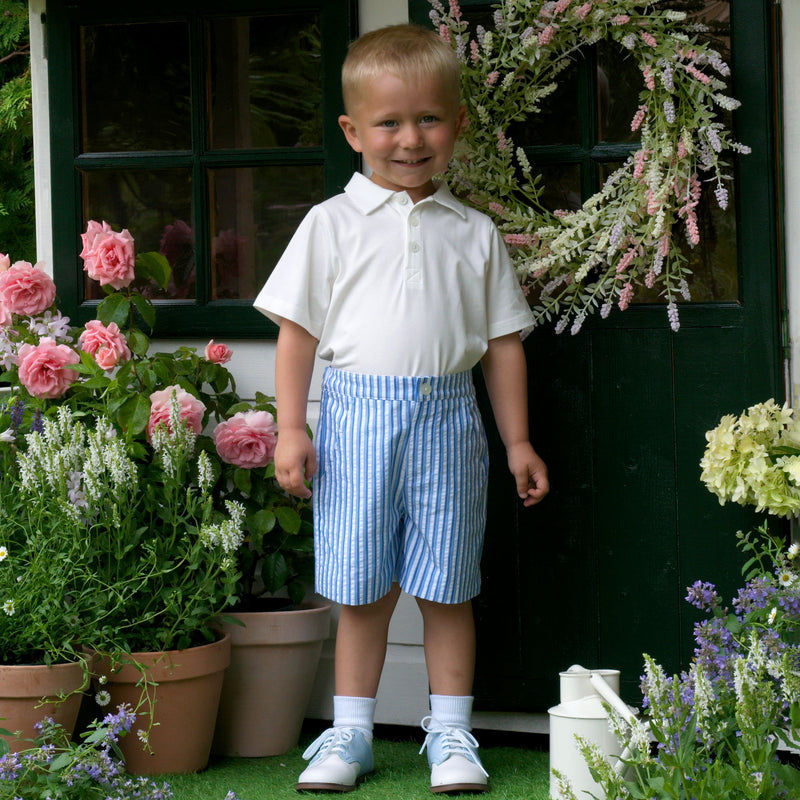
198	456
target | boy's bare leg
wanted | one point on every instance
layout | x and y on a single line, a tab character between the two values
361	645
449	646
450	657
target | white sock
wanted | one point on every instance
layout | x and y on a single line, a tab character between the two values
452	710
354	712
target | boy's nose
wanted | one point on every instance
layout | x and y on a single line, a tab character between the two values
412	138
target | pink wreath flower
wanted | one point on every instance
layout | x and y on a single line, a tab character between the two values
106	344
5	262
218	353
191	409
26	289
247	439
43	368
108	256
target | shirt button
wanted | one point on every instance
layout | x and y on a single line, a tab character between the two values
414	247
414	221
403	200
425	389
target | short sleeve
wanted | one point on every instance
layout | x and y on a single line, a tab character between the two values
299	288
507	309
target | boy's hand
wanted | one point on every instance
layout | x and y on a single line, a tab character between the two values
295	462
530	473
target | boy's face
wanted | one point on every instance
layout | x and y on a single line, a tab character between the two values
406	131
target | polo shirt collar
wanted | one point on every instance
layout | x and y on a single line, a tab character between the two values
368	196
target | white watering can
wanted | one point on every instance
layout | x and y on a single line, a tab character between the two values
581	712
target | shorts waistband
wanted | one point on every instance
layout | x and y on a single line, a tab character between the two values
398	387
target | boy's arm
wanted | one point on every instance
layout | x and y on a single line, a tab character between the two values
295	458
506	381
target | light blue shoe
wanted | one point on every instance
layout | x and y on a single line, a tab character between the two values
339	757
453	758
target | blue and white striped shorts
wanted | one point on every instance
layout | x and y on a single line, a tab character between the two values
400	490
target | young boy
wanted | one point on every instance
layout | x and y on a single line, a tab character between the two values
403	289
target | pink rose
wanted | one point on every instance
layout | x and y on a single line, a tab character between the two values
247	439
218	353
108	257
5	262
192	409
5	314
26	289
106	344
43	368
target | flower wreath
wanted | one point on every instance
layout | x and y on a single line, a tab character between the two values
571	263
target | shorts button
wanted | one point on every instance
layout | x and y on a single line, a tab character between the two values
425	389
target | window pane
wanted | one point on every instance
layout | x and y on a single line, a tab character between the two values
562	186
557	121
255	211
156	207
619	83
265	81
134	86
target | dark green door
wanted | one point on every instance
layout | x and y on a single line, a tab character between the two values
597	574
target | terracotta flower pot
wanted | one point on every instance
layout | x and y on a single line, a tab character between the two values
274	661
22	689
182	706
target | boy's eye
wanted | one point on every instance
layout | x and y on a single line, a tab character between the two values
388	123
428	119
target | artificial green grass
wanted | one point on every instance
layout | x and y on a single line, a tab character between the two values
517	772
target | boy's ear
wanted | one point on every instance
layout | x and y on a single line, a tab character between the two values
350	132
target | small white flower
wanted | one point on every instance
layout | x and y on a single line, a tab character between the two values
3	552
102	698
794	550
786	578
143	736
8	435
772	615
9	608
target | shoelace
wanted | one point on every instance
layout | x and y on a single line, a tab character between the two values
333	740
455	741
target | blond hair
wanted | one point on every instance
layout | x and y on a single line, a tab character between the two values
406	51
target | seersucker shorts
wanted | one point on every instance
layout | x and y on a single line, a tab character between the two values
400	490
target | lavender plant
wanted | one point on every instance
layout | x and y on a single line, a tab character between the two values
57	768
623	238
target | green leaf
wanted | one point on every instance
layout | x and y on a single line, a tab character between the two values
262	521
274	572
241	477
154	267
134	414
115	308
288	519
297	591
138	341
146	308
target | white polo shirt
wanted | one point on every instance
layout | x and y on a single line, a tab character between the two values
390	287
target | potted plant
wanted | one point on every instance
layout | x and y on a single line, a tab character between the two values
202	459
277	637
39	657
110	436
